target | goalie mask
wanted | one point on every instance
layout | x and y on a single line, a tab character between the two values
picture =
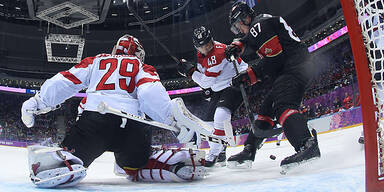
129	45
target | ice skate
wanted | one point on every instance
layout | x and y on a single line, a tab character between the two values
244	159
308	152
219	160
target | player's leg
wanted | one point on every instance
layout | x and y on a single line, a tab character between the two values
84	143
132	145
212	105
229	101
169	165
88	139
209	118
222	116
136	160
252	143
289	93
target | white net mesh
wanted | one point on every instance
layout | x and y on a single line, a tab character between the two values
371	17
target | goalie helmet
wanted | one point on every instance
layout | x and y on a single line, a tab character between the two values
129	45
239	12
201	36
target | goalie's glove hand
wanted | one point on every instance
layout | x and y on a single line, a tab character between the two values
27	112
31	107
247	77
234	49
186	68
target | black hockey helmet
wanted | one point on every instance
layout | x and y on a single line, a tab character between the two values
201	36
239	12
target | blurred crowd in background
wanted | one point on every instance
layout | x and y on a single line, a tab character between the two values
333	89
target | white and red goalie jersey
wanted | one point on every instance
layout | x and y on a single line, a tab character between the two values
214	70
121	81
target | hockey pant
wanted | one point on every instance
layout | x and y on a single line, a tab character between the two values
283	102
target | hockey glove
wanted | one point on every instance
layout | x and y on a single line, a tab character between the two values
186	68
235	49
31	107
247	77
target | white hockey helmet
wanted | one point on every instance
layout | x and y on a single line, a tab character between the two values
129	45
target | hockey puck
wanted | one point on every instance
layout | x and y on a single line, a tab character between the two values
272	157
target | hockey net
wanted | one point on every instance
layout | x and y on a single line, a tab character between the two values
365	23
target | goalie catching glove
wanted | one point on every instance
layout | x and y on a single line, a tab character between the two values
34	106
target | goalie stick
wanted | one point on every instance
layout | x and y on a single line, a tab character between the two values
104	108
255	130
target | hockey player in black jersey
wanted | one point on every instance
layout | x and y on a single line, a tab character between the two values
284	59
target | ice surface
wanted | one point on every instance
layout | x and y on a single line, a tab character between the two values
341	168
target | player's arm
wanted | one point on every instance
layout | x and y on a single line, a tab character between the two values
270	51
56	90
266	67
186	68
152	96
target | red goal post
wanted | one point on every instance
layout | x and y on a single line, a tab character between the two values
371	103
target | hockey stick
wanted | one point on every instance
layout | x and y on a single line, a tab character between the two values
104	108
256	131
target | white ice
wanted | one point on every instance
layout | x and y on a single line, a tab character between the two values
341	168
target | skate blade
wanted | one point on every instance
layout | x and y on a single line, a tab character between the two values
236	165
287	168
220	164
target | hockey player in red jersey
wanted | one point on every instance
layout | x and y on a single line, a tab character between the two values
213	71
284	59
123	82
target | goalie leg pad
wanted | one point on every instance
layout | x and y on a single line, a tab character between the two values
175	165
54	167
187	121
59	177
